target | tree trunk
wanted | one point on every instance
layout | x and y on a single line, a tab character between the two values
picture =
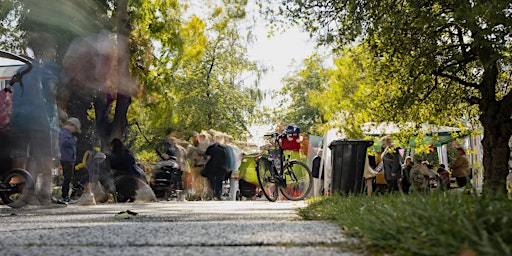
495	158
124	85
495	119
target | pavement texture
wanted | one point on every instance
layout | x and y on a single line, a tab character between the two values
168	228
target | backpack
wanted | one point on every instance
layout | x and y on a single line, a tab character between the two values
417	178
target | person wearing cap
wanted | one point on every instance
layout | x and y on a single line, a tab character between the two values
67	145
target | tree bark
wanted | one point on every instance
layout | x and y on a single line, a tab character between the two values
495	118
124	87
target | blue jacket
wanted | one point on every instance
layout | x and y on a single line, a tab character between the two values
67	145
34	106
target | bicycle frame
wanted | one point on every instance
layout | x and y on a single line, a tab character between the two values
277	173
276	152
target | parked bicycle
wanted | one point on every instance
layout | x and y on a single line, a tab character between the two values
16	185
276	172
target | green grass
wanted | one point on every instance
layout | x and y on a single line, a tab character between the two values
435	224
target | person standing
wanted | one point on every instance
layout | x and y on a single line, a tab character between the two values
34	117
444	177
406	173
391	164
460	168
316	169
368	174
67	145
215	166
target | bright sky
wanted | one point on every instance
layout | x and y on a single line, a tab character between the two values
280	53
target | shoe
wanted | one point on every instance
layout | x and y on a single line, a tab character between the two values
68	200
86	199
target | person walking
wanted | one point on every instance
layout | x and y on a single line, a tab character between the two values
34	117
67	146
215	166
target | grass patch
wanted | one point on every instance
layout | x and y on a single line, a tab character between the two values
435	224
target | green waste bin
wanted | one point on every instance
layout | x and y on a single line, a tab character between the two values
348	159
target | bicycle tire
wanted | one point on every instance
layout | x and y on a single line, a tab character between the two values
21	188
299	181
266	179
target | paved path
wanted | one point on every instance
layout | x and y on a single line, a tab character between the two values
168	228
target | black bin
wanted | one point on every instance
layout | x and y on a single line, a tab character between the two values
348	159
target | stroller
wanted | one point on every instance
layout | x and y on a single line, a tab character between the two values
167	180
248	183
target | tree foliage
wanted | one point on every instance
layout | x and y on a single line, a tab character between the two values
437	61
302	88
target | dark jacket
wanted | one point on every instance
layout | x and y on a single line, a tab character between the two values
216	165
315	167
122	161
67	145
391	164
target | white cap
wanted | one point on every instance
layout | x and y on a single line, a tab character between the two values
74	121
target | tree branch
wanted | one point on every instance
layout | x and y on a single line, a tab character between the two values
457	79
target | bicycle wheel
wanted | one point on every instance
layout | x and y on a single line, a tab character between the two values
299	181
266	179
18	188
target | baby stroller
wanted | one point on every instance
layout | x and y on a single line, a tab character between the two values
248	183
167	180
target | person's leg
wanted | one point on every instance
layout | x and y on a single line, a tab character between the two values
461	181
67	173
217	190
369	186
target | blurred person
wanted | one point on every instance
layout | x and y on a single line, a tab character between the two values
171	148
444	177
406	173
460	168
195	156
318	174
369	174
215	166
391	164
67	145
419	177
233	162
120	158
34	119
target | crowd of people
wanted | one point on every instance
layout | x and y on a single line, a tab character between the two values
414	176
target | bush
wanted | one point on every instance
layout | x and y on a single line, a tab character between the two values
435	224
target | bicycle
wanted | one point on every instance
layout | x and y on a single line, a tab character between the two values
276	173
16	185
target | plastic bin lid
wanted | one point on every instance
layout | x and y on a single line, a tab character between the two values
350	142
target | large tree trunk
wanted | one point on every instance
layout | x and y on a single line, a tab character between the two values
495	158
495	119
123	81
